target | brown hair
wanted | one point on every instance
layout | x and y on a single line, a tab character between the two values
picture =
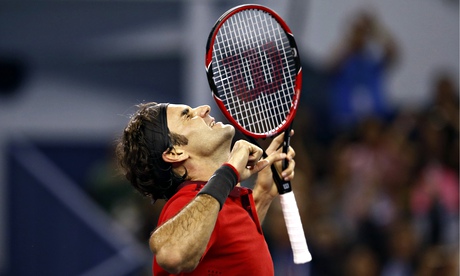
139	152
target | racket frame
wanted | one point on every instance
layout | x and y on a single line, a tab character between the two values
298	77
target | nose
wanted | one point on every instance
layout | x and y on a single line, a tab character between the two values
203	110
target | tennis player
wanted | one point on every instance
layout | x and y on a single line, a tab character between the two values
210	225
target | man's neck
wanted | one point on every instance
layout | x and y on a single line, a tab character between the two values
201	169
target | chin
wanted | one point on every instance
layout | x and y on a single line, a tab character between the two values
231	131
227	134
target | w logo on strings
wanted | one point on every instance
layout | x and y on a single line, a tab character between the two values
255	71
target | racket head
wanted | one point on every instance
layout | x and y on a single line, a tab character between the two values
254	70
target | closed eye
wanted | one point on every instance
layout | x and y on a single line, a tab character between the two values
186	113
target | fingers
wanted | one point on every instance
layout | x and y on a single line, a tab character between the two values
245	158
254	155
291	153
277	157
277	142
274	157
288	173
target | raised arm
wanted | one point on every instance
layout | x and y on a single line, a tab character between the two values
265	189
180	242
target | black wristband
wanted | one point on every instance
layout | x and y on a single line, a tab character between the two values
221	183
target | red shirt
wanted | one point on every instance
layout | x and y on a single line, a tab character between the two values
237	245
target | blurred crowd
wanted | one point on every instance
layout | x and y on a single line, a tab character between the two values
377	186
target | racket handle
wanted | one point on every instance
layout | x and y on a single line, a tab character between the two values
295	228
286	143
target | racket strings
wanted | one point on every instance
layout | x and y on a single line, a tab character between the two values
254	70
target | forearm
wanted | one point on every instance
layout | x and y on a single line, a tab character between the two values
180	242
262	201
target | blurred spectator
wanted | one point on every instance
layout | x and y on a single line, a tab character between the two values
373	172
361	261
438	260
358	69
443	112
327	245
402	250
434	196
446	100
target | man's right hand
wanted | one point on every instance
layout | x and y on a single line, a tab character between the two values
246	158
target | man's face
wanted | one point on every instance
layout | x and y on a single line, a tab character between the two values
205	136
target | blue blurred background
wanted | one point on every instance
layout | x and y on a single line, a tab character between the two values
376	138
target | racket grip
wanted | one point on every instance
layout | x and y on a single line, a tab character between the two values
294	228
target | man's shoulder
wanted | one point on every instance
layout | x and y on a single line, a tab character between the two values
184	194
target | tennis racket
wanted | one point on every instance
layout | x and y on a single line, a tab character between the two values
254	71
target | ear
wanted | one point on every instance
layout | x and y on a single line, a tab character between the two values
174	155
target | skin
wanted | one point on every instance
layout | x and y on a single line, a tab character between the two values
180	242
